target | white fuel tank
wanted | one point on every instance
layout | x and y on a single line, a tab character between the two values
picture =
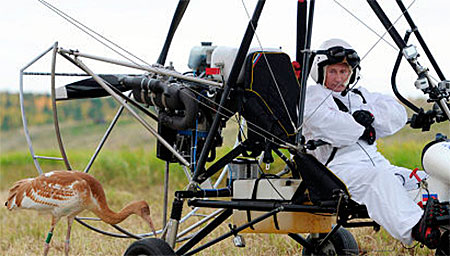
436	162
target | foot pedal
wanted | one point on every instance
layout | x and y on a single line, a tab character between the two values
238	240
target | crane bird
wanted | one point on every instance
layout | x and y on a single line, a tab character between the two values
67	193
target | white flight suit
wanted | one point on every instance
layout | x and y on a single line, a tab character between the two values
369	177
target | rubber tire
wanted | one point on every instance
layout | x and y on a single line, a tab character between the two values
340	243
149	246
444	245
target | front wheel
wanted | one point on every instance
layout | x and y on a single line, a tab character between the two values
444	246
149	246
341	242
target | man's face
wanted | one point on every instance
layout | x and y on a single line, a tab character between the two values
336	76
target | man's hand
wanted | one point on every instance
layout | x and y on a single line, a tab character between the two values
369	135
363	117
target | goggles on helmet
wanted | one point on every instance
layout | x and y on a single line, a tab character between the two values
339	54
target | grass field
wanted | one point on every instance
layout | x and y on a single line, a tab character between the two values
129	171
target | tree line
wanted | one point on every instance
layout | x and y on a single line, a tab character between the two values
38	110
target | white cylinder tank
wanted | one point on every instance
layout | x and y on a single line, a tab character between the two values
436	162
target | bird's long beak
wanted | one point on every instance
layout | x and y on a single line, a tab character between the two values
150	223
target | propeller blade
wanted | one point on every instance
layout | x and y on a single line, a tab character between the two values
179	12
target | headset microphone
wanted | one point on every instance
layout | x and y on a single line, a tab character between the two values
346	90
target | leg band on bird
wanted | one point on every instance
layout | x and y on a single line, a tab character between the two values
49	237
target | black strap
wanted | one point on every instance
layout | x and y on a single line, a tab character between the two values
299	194
255	190
275	221
249	218
356	91
340	105
219	164
343	108
331	157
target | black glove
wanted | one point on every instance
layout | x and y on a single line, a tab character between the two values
422	120
369	135
363	117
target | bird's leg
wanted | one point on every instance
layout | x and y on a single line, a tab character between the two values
69	227
49	235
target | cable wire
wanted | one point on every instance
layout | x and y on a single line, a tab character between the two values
92	33
362	22
270	68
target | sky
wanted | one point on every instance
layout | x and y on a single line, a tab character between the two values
140	26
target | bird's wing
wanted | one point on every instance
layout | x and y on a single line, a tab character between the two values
57	192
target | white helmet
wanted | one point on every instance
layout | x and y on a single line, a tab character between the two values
331	52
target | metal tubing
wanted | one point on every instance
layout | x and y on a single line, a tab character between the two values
387	24
305	70
390	28
221	176
166	193
204	231
360	224
49	158
22	109
129	234
218	181
156	70
80	220
327	237
49	74
302	6
255	205
234	74
299	239
444	107
203	193
420	39
189	214
205	219
401	44
178	15
216	184
37	58
394	75
118	92
55	110
234	231
172	230
89	218
133	113
99	230
102	141
219	164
